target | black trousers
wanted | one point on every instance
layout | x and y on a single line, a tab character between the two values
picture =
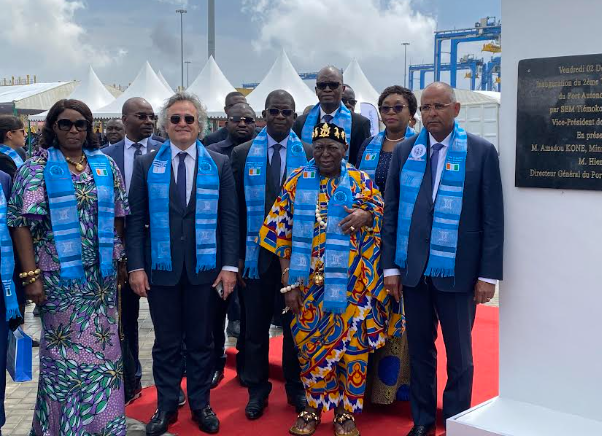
230	307
182	314
257	303
130	310
425	306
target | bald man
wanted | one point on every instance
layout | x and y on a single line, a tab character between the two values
115	131
330	109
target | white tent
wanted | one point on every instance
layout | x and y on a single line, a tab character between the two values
282	75
364	91
146	85
91	91
165	82
211	87
33	98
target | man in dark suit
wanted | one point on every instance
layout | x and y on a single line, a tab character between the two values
329	89
220	134
181	292
429	296
240	126
138	121
258	295
115	131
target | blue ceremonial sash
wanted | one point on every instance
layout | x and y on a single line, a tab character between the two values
342	119
207	196
448	204
372	154
336	253
254	183
7	260
12	154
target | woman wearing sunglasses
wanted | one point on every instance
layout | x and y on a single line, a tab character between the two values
389	366
66	212
12	141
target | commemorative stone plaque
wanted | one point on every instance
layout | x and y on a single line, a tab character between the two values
559	123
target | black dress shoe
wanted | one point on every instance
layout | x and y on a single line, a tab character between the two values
422	430
181	398
206	419
298	401
241	382
255	407
218	376
160	421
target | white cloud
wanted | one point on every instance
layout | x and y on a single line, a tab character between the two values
317	31
45	37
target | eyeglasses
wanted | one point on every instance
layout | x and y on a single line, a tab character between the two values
246	120
351	101
285	112
143	116
437	106
66	125
397	108
175	119
332	85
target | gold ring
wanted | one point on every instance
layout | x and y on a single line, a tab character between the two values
352	228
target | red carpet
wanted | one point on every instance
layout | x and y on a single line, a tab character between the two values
229	399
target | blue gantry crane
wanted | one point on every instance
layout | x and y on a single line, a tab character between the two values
491	68
466	63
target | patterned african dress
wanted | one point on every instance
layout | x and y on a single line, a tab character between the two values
80	391
334	348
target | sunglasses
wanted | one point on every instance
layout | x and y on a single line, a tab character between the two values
397	108
332	85
437	106
66	125
285	112
246	120
351	101
143	117
175	119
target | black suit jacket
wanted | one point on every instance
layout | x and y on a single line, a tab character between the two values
481	231
360	130
239	158
8	165
217	136
182	227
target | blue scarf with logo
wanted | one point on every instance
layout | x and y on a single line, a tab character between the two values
254	182
342	119
64	217
336	253
7	260
448	204
205	219
372	152
12	154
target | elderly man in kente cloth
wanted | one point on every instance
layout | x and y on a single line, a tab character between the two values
325	228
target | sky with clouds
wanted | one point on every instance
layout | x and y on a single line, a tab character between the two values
58	39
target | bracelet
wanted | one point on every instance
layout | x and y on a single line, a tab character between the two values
30	281
30	273
285	271
289	288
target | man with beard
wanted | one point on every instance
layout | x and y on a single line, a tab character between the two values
220	134
240	126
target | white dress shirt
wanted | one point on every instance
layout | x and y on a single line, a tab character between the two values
128	158
284	143
440	165
322	113
190	163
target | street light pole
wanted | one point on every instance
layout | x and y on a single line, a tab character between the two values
182	12
405	63
187	64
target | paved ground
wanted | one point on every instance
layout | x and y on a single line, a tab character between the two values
20	397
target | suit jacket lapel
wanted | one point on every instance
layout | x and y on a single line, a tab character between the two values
119	156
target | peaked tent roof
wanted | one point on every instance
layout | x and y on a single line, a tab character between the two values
282	75
90	90
146	85
355	77
165	82
211	87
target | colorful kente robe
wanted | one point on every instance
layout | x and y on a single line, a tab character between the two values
334	348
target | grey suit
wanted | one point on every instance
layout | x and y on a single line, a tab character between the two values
450	300
182	300
258	298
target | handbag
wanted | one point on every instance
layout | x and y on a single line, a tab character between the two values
19	355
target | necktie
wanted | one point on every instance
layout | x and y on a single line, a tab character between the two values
181	181
275	167
138	151
435	164
327	118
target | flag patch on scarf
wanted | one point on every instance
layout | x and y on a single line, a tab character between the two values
452	166
309	174
370	156
254	171
102	172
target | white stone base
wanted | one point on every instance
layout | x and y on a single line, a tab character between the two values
504	417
